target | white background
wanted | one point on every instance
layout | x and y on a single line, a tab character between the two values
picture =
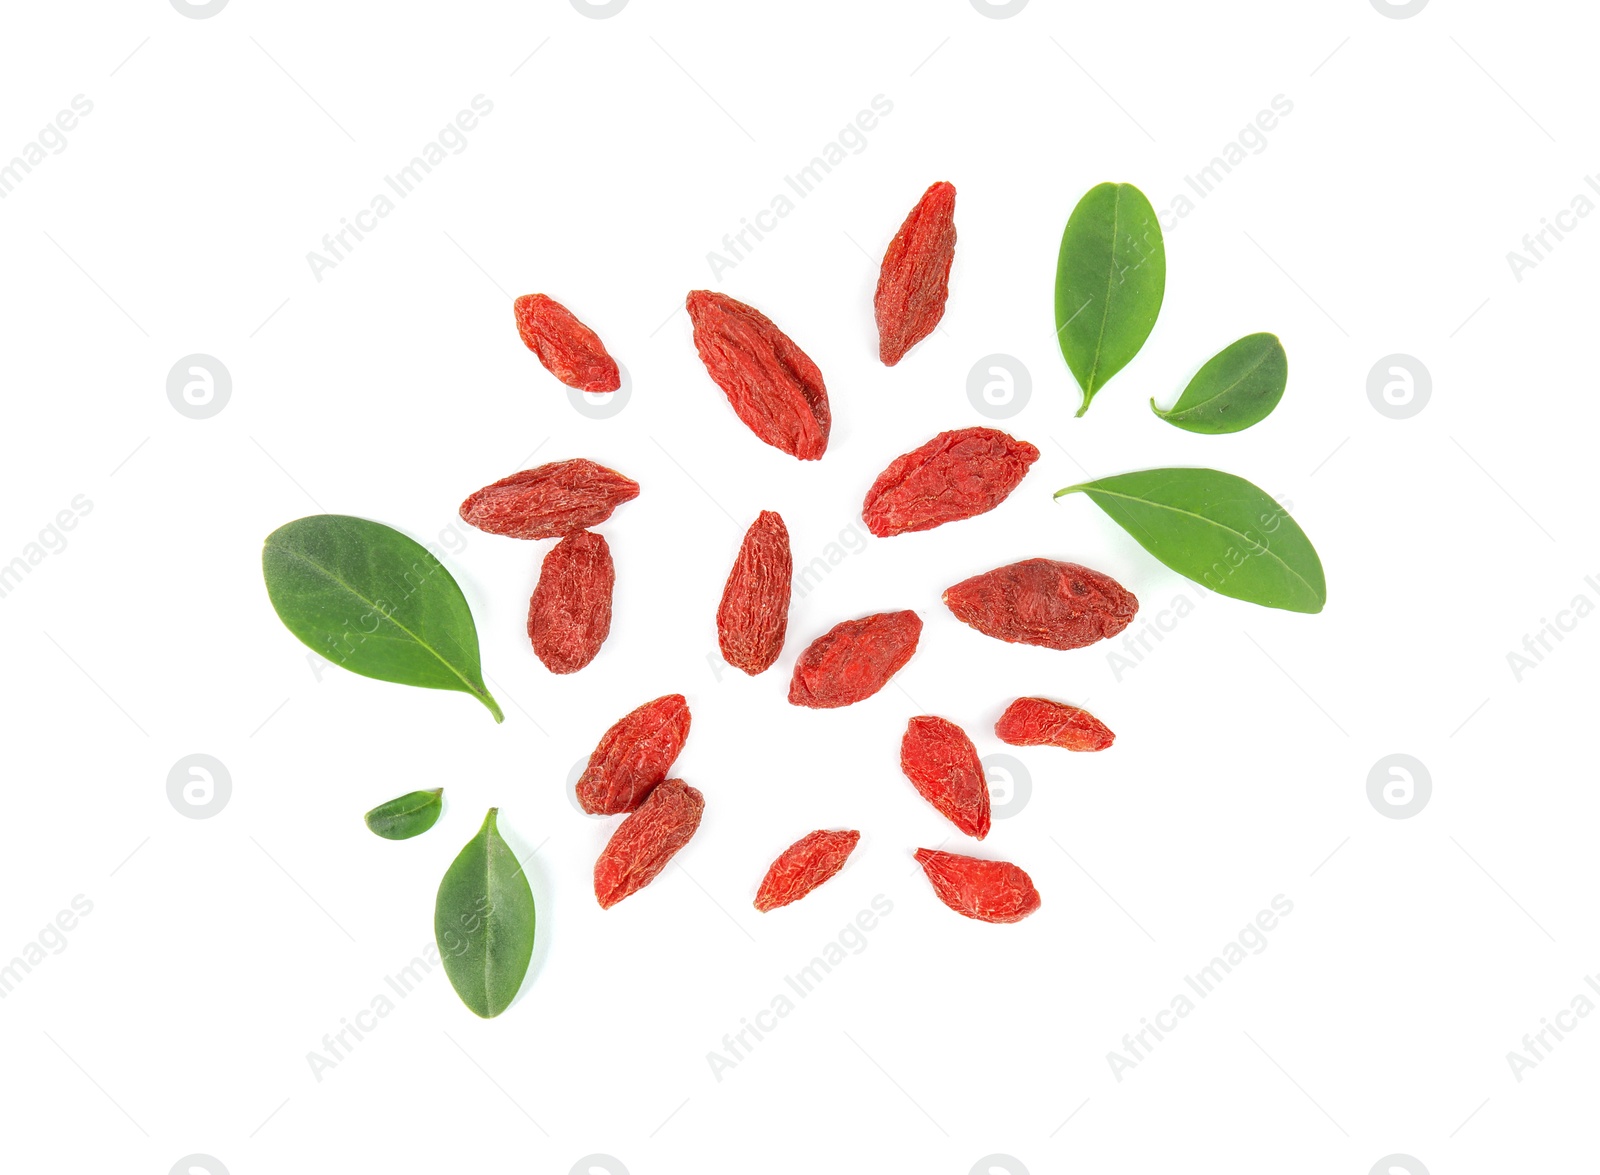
178	1016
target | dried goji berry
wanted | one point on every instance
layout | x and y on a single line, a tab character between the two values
754	614
854	660
643	843
941	762
990	891
549	502
634	756
915	278
569	350
771	383
570	613
803	866
1039	722
1043	602
956	475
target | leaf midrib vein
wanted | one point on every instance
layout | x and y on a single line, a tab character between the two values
1244	375
1105	309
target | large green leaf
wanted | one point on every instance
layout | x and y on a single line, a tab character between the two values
407	816
375	602
1217	529
483	921
1239	386
1110	276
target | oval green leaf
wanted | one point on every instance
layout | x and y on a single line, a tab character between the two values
1110	277
375	602
1239	386
483	921
407	816
1217	529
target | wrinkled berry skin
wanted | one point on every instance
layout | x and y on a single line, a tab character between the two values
854	660
754	615
942	764
1039	722
803	866
990	891
956	475
1043	602
771	383
569	615
569	350
645	842
915	279
549	502
634	756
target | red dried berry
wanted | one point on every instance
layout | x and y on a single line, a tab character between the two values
1043	602
569	350
1039	722
643	843
549	502
990	891
803	866
956	475
634	756
771	383
941	762
854	660
570	613
754	614
915	278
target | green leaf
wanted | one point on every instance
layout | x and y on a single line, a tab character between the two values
368	598
407	816
1239	386
1217	529
1110	276
483	921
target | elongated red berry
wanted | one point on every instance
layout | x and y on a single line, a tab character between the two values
633	756
1039	722
646	841
854	659
956	475
942	764
915	279
549	502
569	350
803	866
569	616
754	615
1043	602
990	891
770	382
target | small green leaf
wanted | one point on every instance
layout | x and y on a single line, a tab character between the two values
1217	529
375	602
1110	276
1239	386
407	816
483	921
